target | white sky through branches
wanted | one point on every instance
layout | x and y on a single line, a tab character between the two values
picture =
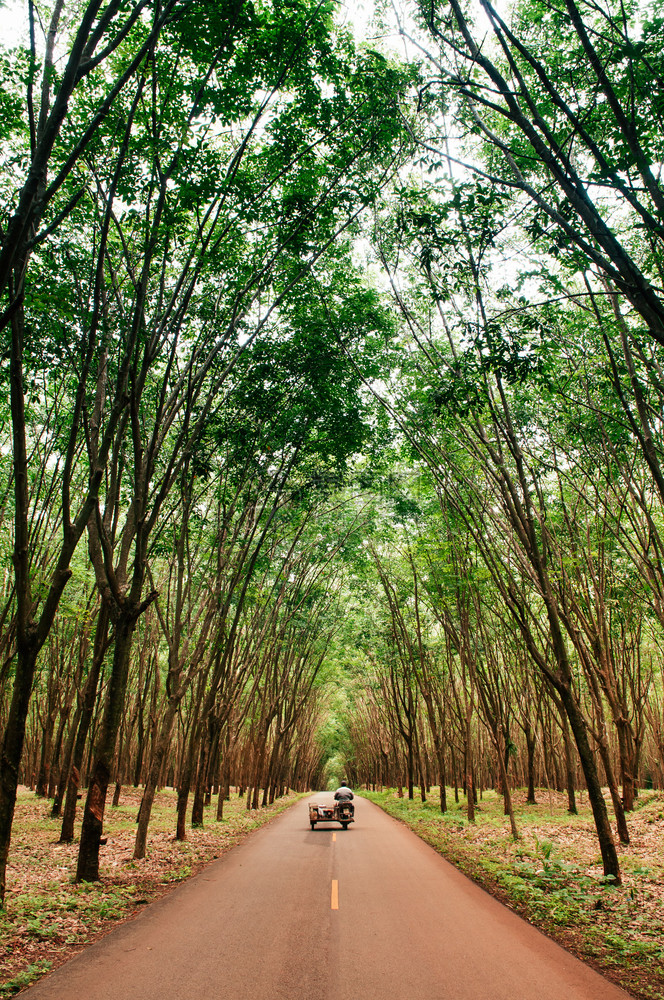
14	20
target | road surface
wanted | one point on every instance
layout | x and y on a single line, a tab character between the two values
367	913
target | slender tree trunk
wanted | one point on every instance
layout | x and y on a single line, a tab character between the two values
66	764
420	768
507	795
57	751
627	764
259	767
87	711
160	751
224	784
569	769
87	869
44	770
621	821
597	803
27	642
470	785
197	809
531	744
411	777
442	778
470	796
118	768
184	786
270	776
12	750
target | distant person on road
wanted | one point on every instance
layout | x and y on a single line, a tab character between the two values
344	794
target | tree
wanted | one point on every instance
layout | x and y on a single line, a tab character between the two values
573	152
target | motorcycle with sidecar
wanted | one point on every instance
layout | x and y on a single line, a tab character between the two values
341	812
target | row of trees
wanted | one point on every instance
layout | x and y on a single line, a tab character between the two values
456	697
178	204
224	678
526	272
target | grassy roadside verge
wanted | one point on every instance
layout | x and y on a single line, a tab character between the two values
552	876
47	918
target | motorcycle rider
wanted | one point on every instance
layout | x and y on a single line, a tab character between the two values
344	795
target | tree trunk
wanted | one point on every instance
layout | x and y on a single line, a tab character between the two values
531	744
184	786
627	763
12	750
420	768
57	749
470	785
66	765
569	769
225	781
87	710
621	821
116	794
44	770
598	805
87	869
507	795
197	809
442	778
470	796
161	749
411	777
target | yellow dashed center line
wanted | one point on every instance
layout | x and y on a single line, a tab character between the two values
334	838
334	902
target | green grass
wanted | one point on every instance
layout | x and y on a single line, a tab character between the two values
25	978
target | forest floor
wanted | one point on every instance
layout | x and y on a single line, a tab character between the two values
553	875
47	918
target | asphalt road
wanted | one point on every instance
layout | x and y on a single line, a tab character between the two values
326	914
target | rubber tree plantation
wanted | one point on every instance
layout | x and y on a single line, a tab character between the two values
332	438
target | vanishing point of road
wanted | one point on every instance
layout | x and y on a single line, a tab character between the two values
367	913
